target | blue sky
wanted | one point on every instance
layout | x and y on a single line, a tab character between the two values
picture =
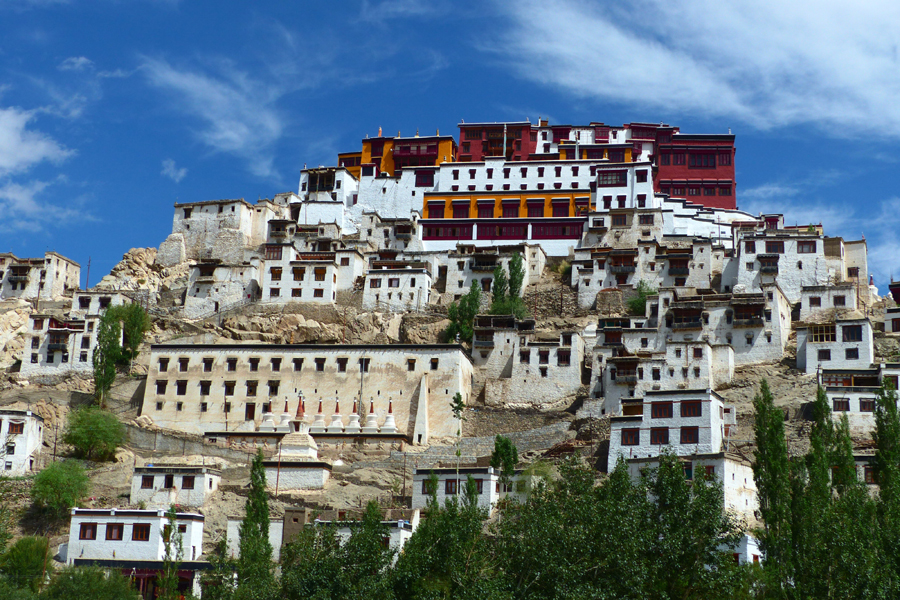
113	110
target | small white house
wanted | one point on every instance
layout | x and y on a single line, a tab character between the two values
296	465
687	421
892	320
159	486
452	483
844	343
21	433
130	535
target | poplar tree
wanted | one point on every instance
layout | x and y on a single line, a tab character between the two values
516	275
886	464
106	355
500	289
167	580
254	566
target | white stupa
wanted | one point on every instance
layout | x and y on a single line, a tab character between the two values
337	421
353	425
371	425
389	425
318	424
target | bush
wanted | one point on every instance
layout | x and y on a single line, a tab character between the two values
638	304
59	487
94	433
26	562
89	582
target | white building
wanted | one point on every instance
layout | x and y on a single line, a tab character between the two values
731	470
892	319
296	465
689	422
394	285
214	285
21	439
451	483
820	300
229	387
47	278
160	486
62	343
843	343
316	277
852	393
520	366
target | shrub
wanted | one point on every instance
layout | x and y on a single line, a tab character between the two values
638	304
25	563
59	487
94	433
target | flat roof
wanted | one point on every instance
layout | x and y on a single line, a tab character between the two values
208	347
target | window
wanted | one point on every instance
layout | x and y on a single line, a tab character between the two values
207	365
774	247
631	437
656	374
204	387
702	161
867	405
254	364
231	364
815	301
434	364
320	364
299	273
181	387
852	333
394	282
698	352
840	301
642	200
841	404
88	531
806	247
724	159
427	487
273	252
140	532
342	365
319	273
147	482
451	486
824	355
661	410
611	178
296	293
869	475
161	387
822	333
659	436
851	354
229	388
618	221
645	219
641	175
364	365
318	293
251	387
275	273
163	365
115	531
187	482
410	364
690	435
563	358
298	364
276	364
691	408
374	283
273	388
693	191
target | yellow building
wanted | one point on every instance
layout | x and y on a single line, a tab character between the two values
388	154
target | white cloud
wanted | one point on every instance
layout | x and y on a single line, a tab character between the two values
23	209
76	63
238	112
20	147
763	63
171	171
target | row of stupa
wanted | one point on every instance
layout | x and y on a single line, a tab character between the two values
287	424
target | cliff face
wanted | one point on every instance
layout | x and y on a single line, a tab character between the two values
13	330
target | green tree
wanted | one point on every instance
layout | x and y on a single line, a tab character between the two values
59	487
638	303
94	433
76	583
462	315
772	473
26	562
218	580
504	458
500	287
135	323
457	406
516	275
107	353
167	580
254	565
886	464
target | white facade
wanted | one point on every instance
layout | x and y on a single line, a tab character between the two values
686	421
458	268
47	278
892	320
104	534
62	344
21	439
397	287
309	277
846	343
213	286
160	486
452	484
733	472
228	387
853	392
826	300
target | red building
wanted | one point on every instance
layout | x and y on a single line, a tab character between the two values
515	141
699	167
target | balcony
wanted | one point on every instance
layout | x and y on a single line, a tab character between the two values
17	278
769	269
483	267
278	234
679	271
57	347
598	225
687	325
206	279
616	269
622	378
484	343
748	322
403	235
